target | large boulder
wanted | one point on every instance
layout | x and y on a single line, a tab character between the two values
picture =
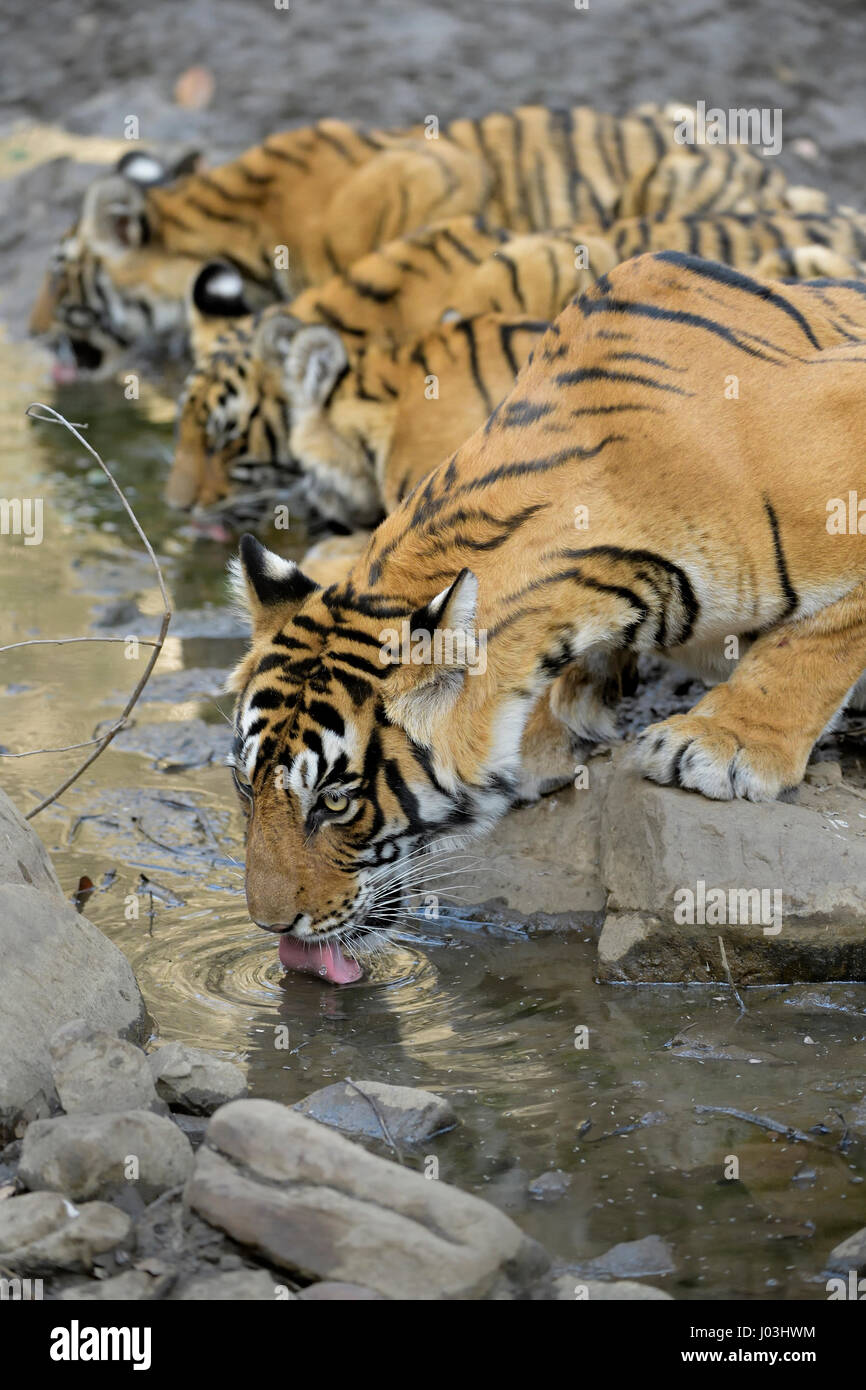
783	884
85	1156
56	966
312	1202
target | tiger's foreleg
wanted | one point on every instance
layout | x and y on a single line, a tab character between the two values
751	737
576	711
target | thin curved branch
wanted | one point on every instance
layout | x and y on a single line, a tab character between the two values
48	415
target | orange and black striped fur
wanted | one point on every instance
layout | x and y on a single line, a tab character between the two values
235	417
342	432
247	424
307	203
774	245
672	472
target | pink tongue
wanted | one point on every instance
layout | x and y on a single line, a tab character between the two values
211	530
327	962
63	372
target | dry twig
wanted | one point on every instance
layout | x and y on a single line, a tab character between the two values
374	1106
734	990
762	1121
46	413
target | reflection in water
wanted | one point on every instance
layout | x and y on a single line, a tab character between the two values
482	1014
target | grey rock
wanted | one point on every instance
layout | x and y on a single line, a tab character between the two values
31	1216
194	1081
411	1115
236	1285
657	841
132	1286
547	1187
194	682
849	1254
545	858
56	966
310	1201
193	1126
23	857
193	743
87	1156
633	1258
96	1073
576	1289
84	1233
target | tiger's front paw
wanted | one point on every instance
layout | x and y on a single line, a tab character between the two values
698	753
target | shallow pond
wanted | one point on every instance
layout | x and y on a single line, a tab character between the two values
485	1014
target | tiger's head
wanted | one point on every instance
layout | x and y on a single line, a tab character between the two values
255	421
333	756
111	285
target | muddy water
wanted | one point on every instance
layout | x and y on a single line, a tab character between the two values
484	1014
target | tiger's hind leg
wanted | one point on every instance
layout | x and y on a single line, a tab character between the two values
751	737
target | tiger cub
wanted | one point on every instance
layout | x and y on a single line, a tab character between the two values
307	203
339	431
667	474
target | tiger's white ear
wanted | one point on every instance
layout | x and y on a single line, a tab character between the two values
114	214
434	652
267	587
274	332
315	361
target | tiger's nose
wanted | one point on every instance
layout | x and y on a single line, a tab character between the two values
281	928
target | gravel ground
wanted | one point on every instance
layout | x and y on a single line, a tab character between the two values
393	61
87	66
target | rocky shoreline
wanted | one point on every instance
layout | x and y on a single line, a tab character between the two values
132	1175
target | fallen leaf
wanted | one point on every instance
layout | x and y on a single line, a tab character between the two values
194	89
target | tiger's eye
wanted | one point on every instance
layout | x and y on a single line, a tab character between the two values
336	801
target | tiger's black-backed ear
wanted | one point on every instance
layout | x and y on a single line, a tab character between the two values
453	609
188	163
218	291
147	169
269	588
